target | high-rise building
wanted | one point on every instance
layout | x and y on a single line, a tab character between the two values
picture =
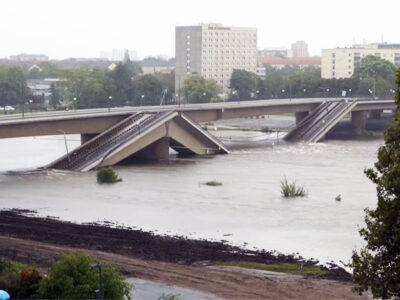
299	49
341	62
213	51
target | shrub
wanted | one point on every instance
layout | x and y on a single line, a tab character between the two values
72	277
20	281
107	175
291	190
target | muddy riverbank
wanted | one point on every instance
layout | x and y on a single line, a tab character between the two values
109	237
171	261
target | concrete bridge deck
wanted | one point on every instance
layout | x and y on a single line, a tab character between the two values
95	121
141	136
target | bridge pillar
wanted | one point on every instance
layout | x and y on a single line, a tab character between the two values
300	116
159	150
376	114
359	121
86	137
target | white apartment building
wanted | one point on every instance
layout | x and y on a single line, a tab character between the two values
214	51
341	62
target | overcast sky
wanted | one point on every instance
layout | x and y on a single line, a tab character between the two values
84	28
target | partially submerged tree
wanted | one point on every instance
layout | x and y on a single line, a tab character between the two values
377	265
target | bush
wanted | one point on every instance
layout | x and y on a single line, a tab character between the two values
72	277
107	175
291	190
20	281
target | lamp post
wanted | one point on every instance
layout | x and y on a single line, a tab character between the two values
65	141
204	95
283	91
141	98
30	105
326	90
257	93
109	102
74	99
23	108
98	294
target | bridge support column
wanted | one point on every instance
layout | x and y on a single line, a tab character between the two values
376	114
300	116
86	137
159	150
359	121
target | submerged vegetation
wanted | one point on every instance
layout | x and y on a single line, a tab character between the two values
213	183
291	190
107	175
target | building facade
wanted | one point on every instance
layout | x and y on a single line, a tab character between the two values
213	51
341	62
299	49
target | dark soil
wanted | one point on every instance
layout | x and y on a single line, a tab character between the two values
25	225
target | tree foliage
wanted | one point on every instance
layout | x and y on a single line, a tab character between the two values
72	277
377	265
200	90
13	88
244	83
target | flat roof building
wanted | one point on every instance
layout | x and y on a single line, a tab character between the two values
341	62
214	51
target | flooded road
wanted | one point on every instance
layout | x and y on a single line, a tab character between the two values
248	208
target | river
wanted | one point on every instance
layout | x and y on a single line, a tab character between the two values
248	209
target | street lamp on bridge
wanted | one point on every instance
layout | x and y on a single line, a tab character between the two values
109	102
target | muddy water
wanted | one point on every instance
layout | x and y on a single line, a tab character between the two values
247	208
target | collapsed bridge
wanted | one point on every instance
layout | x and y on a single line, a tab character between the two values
143	135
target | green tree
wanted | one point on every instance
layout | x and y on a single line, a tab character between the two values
244	83
122	82
72	277
55	96
377	265
375	75
147	90
13	88
199	90
168	82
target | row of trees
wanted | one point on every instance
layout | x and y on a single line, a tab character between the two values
90	88
374	77
125	85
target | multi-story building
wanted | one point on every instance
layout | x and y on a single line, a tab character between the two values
299	49
214	51
341	62
273	52
29	57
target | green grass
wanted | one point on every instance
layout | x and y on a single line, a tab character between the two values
283	268
213	183
291	190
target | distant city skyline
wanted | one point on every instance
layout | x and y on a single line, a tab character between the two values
63	29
